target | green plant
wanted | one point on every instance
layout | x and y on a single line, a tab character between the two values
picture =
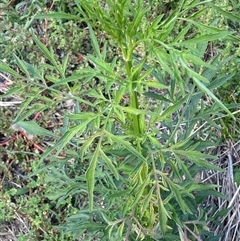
129	165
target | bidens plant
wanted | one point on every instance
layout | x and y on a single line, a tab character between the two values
135	139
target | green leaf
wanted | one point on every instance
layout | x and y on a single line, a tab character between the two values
95	94
48	54
237	176
120	229
170	110
14	90
164	59
24	105
208	92
84	74
127	145
157	96
119	115
177	74
109	164
65	62
162	215
5	68
198	61
206	38
87	144
94	42
33	128
226	14
140	190
58	15
204	27
102	66
21	65
82	116
31	111
147	201
155	85
211	192
183	167
192	73
176	191
196	157
135	24
90	174
220	81
183	33
66	138
135	111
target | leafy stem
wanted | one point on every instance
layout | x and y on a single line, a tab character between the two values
133	97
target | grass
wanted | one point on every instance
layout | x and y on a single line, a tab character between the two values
118	135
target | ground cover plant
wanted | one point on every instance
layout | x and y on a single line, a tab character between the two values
134	121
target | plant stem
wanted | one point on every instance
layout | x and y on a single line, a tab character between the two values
133	98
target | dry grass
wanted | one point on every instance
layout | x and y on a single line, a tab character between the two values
5	83
229	225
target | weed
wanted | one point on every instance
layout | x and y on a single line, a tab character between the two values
136	126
